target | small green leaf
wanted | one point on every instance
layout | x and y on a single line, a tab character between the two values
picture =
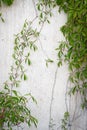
11	78
2	19
15	92
41	15
38	7
29	123
29	62
59	63
48	61
48	21
0	14
25	77
35	47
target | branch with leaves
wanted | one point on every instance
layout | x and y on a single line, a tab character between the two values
13	106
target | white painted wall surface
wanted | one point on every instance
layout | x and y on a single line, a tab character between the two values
40	78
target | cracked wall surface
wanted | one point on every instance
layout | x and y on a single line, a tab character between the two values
48	85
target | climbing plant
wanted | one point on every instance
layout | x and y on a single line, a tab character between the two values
13	105
72	51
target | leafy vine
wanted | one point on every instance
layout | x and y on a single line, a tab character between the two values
13	106
72	51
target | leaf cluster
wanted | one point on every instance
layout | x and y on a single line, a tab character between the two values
44	7
6	2
73	50
13	106
65	121
14	111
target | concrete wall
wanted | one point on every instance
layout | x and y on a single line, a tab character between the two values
40	78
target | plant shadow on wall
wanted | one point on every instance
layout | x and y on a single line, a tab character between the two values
73	51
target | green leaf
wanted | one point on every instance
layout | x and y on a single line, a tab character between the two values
25	77
58	2
38	7
35	47
29	123
11	77
74	89
29	62
15	92
48	21
48	61
41	15
8	2
59	63
2	19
